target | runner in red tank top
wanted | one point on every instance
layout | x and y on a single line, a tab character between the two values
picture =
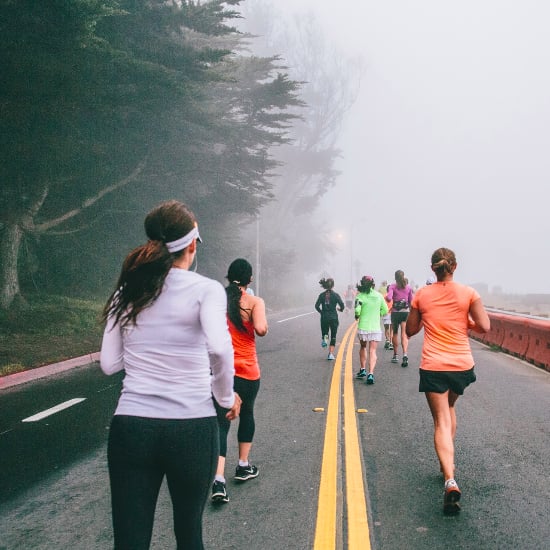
246	319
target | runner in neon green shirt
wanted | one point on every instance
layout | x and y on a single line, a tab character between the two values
370	306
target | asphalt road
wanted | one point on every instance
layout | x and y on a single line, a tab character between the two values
54	485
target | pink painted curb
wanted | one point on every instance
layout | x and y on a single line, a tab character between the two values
41	372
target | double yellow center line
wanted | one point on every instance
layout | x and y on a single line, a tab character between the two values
328	524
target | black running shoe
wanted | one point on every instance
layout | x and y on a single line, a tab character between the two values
370	378
405	362
361	374
219	492
242	473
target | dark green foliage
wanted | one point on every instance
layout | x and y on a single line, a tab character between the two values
107	108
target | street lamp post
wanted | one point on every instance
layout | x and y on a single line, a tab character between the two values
257	277
351	232
351	254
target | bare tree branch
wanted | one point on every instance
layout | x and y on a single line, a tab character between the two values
45	226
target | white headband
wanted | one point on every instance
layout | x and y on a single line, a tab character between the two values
185	241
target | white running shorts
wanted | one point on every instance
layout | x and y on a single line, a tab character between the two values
369	335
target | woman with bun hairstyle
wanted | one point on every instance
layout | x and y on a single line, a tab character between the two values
166	328
247	319
328	303
370	306
447	311
400	295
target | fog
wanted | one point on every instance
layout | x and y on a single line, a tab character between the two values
447	143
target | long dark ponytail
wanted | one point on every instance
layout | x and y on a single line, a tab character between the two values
145	268
238	274
400	279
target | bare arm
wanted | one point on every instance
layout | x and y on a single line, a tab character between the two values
259	319
414	322
479	320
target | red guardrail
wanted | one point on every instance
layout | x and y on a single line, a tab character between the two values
498	329
516	336
523	337
538	351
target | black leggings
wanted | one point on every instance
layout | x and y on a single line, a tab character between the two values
141	451
329	325
247	390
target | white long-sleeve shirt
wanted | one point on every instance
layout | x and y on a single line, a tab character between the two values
178	354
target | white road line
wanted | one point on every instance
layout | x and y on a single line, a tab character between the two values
53	410
295	317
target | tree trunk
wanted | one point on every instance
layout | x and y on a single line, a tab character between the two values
10	242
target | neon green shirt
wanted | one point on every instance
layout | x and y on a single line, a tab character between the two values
369	308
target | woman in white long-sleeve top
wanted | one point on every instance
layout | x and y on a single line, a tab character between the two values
166	328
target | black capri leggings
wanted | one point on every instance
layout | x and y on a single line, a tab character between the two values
332	326
247	390
141	451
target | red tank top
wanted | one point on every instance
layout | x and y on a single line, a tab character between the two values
244	351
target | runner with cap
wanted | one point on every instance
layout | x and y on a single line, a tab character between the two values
370	306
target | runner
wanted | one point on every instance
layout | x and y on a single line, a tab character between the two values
446	310
349	298
327	304
246	319
400	294
386	319
369	307
166	329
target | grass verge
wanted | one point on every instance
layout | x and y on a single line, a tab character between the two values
50	329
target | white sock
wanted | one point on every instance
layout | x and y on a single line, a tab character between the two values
243	463
450	483
220	478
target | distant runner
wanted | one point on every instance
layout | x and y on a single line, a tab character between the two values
327	304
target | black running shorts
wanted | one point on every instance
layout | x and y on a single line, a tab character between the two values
398	317
441	381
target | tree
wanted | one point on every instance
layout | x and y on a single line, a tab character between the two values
308	160
43	119
132	101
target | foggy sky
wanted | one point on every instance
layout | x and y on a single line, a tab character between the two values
447	144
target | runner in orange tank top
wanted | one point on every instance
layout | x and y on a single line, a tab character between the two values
446	310
246	319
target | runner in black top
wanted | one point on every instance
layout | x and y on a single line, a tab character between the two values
327	304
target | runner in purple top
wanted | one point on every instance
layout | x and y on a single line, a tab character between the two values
400	293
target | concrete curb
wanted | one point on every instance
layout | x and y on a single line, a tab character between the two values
41	372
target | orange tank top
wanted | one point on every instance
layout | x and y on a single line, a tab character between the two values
244	351
444	308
